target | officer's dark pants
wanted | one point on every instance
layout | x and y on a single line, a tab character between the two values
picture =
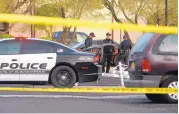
124	57
107	57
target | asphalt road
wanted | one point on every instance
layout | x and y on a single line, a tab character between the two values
36	102
24	102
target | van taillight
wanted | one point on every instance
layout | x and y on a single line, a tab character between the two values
146	65
96	58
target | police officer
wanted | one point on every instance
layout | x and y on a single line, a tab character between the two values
88	41
107	52
125	48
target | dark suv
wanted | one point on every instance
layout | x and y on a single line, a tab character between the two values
153	62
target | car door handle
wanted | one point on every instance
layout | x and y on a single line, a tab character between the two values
14	59
49	57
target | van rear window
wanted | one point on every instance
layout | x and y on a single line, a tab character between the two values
142	42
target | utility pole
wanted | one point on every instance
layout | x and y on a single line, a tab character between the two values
112	21
166	12
32	12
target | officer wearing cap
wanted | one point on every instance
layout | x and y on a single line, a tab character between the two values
88	41
107	52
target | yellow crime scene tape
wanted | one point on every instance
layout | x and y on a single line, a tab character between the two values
96	90
15	18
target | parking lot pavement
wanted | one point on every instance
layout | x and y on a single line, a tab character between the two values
32	102
49	102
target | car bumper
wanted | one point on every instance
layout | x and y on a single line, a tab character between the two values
143	81
91	75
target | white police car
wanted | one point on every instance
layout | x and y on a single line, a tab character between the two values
35	60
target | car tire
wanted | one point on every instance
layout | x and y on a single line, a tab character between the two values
154	97
170	82
63	76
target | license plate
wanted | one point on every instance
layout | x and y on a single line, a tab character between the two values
133	66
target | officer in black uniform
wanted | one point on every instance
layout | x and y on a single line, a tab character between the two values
107	52
88	41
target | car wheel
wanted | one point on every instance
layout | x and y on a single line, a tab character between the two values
63	76
153	97
171	82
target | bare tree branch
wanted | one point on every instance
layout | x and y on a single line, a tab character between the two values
123	11
108	5
152	11
63	12
141	6
18	5
81	9
27	10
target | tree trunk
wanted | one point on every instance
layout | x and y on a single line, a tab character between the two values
51	31
128	37
64	35
47	32
125	32
66	29
110	7
74	38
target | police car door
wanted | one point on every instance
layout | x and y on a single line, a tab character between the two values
38	58
9	60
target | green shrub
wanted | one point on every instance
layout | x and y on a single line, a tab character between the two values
6	36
